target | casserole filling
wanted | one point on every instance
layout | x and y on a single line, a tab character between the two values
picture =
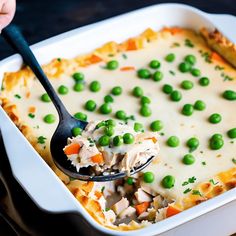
108	147
168	82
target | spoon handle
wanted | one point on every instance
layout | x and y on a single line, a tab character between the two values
14	37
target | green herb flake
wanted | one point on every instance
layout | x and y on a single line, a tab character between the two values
213	182
187	190
17	96
124	56
31	115
234	160
59	59
102	189
185	183
206	56
196	192
217	67
203	163
188	43
41	139
72	179
162	134
226	77
192	179
175	45
107	209
172	72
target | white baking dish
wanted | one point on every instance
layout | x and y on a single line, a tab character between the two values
214	217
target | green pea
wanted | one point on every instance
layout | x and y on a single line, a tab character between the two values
229	95
216	144
170	57
145	111
76	131
156	125
193	143
130	181
167	89
145	100
184	67
196	72
138	127
187	84
199	105
105	108
80	116
112	65
187	109
168	181
137	92
232	133
191	59
155	64
173	141
128	138
215	118
157	76
108	98
116	91
90	105
78	76
63	90
110	122
188	159
104	140
144	74
118	140
78	87
45	98
50	118
95	86
148	177
176	96
204	81
216	136
109	130
121	115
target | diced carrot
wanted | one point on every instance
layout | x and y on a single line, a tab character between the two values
72	149
87	187
94	59
98	158
153	139
215	56
173	30
98	194
32	109
131	45
140	208
126	68
28	94
172	211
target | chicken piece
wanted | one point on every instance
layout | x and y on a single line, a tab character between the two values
120	206
160	214
149	215
145	187
121	191
110	216
141	196
128	212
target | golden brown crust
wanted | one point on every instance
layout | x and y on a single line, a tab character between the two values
221	45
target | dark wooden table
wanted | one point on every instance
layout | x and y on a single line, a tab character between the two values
45	18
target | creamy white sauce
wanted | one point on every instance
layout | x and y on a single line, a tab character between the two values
162	107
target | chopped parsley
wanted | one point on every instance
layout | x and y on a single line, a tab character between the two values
213	182
71	178
124	56
59	59
31	115
175	45
217	67
189	181
196	192
206	56
41	139
203	163
185	183
107	209
172	72
17	96
226	77
187	190
111	55
234	160
102	189
162	134
188	43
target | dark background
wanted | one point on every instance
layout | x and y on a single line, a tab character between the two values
41	19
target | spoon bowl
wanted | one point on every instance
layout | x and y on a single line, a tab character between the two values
66	122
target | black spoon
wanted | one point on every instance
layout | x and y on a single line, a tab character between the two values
66	122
